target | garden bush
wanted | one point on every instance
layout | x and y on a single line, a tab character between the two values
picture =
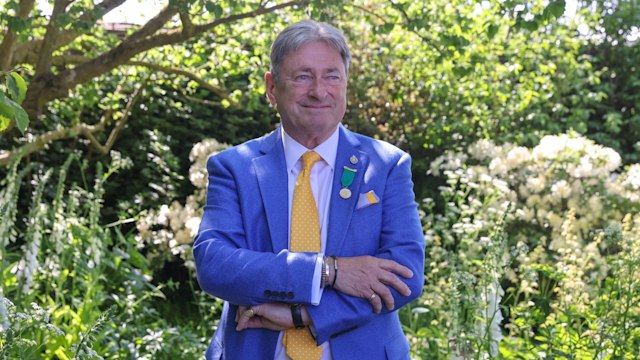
75	287
542	232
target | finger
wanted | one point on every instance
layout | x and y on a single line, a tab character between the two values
244	315
252	323
247	323
395	282
384	295
376	303
396	268
240	311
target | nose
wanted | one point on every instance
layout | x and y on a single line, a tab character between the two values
318	89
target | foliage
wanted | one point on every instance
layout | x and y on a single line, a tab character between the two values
10	109
514	230
75	288
557	267
169	231
452	72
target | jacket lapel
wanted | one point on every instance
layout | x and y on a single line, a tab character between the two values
271	171
341	210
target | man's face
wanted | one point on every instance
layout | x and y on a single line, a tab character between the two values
310	93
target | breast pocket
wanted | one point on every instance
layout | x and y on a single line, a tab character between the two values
364	230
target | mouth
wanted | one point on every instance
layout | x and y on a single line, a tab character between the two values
316	106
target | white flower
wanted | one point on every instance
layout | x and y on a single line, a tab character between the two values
498	166
549	147
561	189
501	186
484	149
584	169
517	156
536	183
595	204
193	224
163	214
611	159
554	219
632	177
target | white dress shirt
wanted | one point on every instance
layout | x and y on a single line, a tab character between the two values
321	184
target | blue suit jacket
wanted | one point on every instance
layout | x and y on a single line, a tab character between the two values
241	250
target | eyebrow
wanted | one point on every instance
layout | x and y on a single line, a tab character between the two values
324	71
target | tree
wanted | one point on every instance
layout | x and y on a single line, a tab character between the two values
71	48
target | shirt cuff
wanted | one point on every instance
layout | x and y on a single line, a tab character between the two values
316	290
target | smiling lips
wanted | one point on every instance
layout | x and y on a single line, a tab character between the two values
316	106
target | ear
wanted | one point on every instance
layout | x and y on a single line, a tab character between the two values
271	86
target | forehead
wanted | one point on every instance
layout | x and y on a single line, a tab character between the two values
313	56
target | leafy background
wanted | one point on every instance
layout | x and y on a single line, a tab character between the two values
521	118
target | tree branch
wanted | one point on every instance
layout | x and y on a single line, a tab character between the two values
27	53
153	25
202	101
187	25
46	88
86	130
43	65
121	122
192	76
408	22
10	37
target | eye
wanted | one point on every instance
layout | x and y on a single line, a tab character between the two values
332	78
302	77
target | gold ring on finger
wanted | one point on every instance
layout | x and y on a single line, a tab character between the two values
249	313
373	296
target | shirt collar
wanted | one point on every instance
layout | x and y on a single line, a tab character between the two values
293	150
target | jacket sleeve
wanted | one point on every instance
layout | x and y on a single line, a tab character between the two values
401	240
228	265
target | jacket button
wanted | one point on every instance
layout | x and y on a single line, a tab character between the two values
267	293
283	295
290	294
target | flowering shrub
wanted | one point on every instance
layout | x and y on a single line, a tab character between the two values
170	230
547	266
74	288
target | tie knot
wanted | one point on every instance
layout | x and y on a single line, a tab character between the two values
309	158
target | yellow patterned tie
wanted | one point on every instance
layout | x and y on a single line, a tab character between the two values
305	237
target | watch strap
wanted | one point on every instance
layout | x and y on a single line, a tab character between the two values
296	315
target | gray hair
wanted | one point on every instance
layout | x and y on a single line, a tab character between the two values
301	33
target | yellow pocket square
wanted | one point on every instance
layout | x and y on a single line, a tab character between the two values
366	199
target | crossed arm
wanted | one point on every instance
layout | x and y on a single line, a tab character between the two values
360	277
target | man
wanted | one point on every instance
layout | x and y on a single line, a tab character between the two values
311	233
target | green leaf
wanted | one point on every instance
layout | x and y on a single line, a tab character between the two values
554	10
4	123
21	85
385	29
19	115
5	108
63	20
214	8
14	92
492	31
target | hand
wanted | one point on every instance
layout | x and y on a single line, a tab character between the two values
272	316
364	276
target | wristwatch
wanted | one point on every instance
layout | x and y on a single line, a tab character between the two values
296	315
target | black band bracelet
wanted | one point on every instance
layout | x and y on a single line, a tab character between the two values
296	315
